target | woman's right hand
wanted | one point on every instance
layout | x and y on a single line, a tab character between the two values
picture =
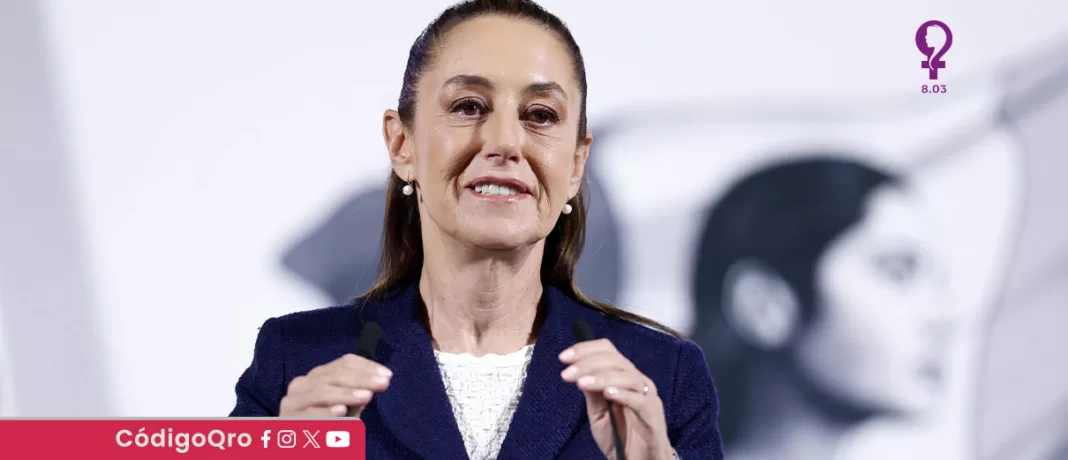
332	388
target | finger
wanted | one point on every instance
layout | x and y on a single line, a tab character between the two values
596	363
646	406
314	411
327	396
352	361
366	378
304	387
620	380
596	406
578	350
322	411
351	364
354	372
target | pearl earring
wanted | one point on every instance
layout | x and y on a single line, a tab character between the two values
408	190
567	209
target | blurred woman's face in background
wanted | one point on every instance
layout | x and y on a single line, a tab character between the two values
495	133
878	338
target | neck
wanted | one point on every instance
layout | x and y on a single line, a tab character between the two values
480	301
787	420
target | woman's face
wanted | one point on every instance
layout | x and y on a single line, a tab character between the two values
878	337
494	145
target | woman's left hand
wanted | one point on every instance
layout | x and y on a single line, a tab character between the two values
602	372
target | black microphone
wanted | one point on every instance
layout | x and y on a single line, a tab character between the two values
369	335
582	332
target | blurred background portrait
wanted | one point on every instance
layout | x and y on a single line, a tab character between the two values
837	260
820	303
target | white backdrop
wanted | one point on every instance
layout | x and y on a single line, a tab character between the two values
7	383
206	136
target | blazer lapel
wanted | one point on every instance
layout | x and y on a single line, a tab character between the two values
415	409
550	410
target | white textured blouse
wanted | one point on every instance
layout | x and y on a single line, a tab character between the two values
484	392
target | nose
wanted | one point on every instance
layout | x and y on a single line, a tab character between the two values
503	136
943	323
943	314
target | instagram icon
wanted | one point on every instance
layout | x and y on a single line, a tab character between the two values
287	439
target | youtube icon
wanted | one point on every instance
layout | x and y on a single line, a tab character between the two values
337	439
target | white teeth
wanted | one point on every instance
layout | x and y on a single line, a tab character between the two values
494	189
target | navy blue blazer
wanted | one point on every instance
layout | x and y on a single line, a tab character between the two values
414	419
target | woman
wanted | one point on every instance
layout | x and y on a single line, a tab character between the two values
817	295
475	297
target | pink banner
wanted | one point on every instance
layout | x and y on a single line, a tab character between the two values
120	439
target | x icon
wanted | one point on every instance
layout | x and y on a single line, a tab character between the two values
311	439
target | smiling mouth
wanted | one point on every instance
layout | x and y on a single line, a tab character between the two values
932	372
498	193
504	190
495	190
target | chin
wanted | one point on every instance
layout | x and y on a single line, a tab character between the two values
492	239
913	402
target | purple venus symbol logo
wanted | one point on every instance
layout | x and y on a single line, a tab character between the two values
933	38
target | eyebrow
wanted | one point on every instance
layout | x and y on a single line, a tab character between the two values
468	80
545	88
483	82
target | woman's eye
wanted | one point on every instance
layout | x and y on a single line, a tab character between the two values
900	268
468	108
542	117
